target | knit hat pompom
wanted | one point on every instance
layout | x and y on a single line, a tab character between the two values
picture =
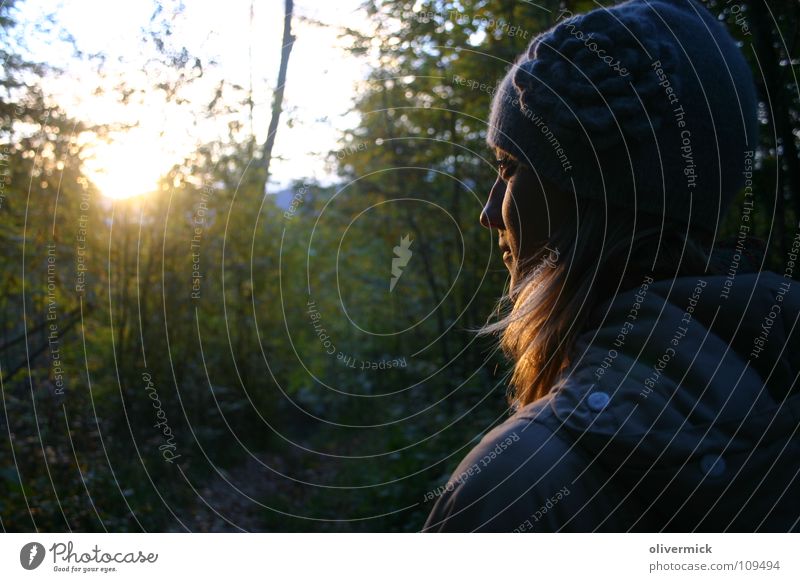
597	81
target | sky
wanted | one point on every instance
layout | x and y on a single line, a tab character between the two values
320	86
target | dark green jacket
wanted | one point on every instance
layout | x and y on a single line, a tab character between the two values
681	412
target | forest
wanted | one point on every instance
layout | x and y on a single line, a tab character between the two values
222	354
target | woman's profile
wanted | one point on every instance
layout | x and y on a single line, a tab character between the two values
654	381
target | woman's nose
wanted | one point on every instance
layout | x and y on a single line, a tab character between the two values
492	213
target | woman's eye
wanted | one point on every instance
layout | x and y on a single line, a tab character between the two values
505	168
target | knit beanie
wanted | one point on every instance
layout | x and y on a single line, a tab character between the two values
647	105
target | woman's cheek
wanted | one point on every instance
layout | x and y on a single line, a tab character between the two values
511	220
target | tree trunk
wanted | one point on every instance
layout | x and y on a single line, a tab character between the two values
277	103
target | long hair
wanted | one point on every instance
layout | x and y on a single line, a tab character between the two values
585	262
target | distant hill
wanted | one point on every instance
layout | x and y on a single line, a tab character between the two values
283	198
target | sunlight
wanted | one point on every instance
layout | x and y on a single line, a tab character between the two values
128	168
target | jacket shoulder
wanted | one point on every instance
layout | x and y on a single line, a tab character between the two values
518	478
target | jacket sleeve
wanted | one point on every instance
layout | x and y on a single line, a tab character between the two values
518	478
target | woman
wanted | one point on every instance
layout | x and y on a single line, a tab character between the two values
654	388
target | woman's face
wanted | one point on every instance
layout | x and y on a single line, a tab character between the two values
522	213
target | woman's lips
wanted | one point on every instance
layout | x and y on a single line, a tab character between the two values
506	254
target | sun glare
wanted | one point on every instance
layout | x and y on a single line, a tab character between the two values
126	169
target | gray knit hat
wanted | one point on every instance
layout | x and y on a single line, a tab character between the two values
647	105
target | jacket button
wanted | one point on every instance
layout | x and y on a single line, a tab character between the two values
597	401
712	465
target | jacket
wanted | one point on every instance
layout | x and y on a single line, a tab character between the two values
680	411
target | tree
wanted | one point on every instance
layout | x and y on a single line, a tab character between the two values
277	100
